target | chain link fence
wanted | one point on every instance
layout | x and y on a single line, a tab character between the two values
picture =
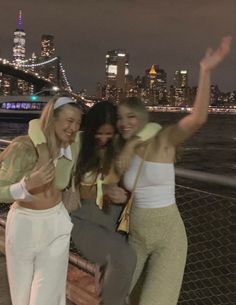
210	270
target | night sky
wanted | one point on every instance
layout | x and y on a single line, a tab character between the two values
171	33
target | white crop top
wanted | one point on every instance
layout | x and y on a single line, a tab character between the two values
156	184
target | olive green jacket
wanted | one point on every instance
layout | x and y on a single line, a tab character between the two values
19	159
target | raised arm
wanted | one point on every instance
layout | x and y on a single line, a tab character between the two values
192	122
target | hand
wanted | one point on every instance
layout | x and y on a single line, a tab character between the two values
115	193
40	176
213	58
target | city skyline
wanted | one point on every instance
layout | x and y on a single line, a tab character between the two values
84	54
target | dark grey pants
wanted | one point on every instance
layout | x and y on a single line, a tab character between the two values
100	245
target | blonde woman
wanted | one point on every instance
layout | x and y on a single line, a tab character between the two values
157	231
38	225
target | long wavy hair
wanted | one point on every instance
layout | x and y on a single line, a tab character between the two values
139	108
47	119
89	159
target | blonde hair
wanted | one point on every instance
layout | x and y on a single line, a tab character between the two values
47	120
138	106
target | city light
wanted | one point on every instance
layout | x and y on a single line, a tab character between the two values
34	98
47	70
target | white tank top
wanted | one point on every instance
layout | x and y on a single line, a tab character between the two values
156	184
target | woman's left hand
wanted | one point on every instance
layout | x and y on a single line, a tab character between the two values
213	57
115	193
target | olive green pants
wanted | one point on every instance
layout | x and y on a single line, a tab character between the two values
158	236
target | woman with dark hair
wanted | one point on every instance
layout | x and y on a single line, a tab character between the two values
97	140
157	231
38	225
95	223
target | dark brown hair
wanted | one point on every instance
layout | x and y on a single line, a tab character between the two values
89	159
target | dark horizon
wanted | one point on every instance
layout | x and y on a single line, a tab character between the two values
173	35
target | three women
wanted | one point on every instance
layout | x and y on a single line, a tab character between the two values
156	233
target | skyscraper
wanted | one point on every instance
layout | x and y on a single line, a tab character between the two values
181	78
49	71
182	91
19	41
155	77
117	71
117	68
19	86
154	83
47	46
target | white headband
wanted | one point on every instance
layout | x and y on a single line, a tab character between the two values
63	101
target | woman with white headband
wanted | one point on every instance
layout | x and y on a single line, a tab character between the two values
38	225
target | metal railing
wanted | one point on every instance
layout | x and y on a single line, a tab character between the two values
182	173
4	143
206	177
209	221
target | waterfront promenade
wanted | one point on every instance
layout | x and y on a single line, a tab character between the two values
208	218
208	275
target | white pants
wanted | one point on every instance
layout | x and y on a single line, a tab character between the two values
37	250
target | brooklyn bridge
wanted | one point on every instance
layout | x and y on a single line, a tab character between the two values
40	75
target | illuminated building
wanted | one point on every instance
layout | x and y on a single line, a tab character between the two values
155	77
18	85
99	90
117	69
19	41
214	95
47	46
181	78
155	86
47	51
5	84
182	91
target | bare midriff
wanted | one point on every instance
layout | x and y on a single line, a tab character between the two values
88	192
43	200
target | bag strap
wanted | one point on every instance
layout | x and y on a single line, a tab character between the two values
130	201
